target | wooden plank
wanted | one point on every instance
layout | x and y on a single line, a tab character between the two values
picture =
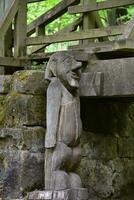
12	62
34	1
2	46
8	16
108	78
129	30
102	47
70	28
51	15
5	40
8	40
20	29
99	6
79	55
2	8
94	33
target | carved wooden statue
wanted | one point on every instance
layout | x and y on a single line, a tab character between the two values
62	140
63	123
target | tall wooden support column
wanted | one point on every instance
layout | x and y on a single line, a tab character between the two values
20	29
88	19
1	38
5	40
8	40
2	10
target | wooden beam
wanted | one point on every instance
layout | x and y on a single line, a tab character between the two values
51	15
7	18
12	62
129	30
107	46
108	78
94	33
70	28
34	1
79	55
90	20
99	6
20	29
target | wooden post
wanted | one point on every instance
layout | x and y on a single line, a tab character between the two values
88	20
40	30
8	40
2	39
2	9
20	29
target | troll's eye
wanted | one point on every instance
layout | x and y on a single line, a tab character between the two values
68	62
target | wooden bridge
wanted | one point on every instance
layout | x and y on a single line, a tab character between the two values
94	38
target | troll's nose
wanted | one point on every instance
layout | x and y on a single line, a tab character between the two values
77	66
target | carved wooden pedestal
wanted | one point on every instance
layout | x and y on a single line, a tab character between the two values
70	194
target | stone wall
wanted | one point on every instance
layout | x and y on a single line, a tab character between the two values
22	131
107	167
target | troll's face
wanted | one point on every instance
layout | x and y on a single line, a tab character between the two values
66	68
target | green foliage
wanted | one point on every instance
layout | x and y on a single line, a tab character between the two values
37	9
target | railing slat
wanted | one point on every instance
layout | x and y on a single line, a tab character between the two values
99	6
51	15
93	33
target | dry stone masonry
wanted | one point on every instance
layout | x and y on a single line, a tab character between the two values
107	166
22	122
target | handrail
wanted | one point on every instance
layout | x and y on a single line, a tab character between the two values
81	35
99	6
7	18
51	15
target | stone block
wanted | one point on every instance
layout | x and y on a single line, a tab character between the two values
2	101
99	177
27	138
5	81
99	147
29	82
126	147
20	171
23	110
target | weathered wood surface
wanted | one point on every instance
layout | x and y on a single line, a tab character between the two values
94	33
99	6
13	62
90	20
129	30
77	193
108	78
79	55
51	15
5	40
107	46
20	29
70	28
34	1
8	16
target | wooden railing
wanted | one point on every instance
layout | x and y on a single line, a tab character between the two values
89	23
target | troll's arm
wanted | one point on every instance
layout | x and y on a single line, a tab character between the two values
53	108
